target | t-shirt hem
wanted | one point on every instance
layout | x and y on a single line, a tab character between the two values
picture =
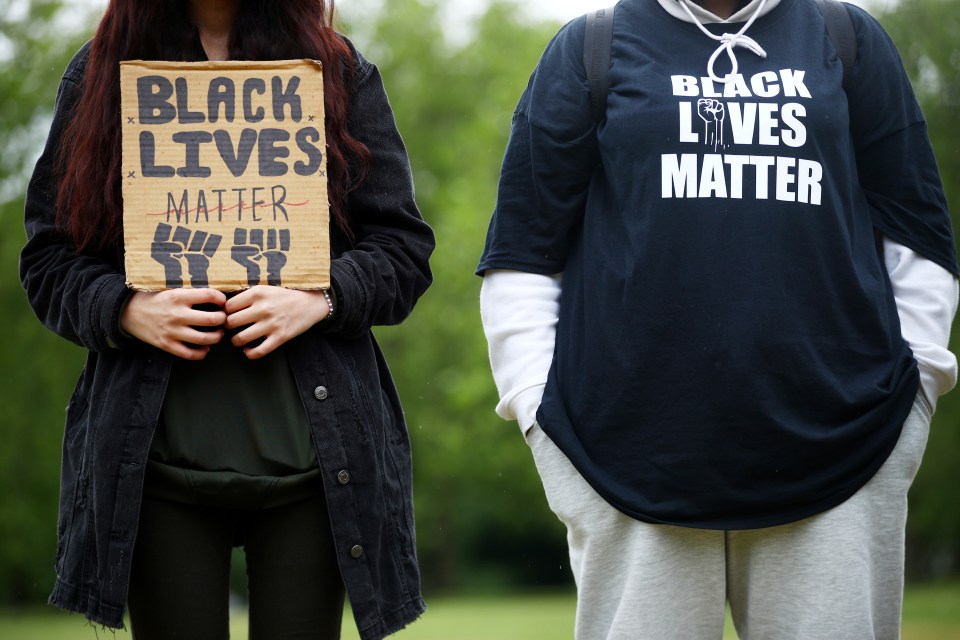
518	265
786	516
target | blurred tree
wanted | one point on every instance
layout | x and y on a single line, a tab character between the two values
481	516
37	369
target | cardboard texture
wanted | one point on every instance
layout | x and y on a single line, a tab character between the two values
224	175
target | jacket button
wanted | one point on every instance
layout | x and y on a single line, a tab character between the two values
320	393
356	551
343	477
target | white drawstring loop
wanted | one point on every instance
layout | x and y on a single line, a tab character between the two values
728	42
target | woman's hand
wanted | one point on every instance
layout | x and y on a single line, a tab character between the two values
274	314
168	321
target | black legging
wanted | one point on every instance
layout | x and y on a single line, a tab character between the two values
179	586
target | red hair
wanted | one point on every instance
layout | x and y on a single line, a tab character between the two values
89	198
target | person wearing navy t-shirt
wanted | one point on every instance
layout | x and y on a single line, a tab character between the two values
720	316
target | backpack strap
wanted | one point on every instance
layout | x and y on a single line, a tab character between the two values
840	29
597	43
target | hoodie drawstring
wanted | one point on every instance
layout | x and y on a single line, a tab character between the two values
729	41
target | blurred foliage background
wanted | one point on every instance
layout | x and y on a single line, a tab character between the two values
483	524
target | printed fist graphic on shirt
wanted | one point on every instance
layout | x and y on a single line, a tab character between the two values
710	110
712	113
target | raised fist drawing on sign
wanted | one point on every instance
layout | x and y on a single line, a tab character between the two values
172	247
712	113
256	245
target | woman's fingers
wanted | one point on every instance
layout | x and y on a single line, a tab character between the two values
179	320
200	318
181	350
274	314
170	320
264	348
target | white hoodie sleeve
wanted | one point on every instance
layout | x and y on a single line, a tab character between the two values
519	312
926	296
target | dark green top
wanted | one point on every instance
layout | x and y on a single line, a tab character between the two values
233	433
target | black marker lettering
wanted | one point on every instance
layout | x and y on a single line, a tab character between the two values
148	154
250	86
181	209
153	100
253	207
238	160
268	152
305	139
192	140
184	115
222	91
278	202
286	96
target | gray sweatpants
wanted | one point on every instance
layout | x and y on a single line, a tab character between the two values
836	575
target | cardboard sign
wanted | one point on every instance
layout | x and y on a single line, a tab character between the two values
224	175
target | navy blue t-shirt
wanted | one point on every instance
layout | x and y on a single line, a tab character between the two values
728	352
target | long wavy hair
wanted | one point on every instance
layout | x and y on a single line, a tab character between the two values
89	197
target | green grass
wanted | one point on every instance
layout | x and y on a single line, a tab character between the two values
930	612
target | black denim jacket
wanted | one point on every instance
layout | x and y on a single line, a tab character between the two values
352	405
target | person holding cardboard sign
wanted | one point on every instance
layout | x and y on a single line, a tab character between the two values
205	419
